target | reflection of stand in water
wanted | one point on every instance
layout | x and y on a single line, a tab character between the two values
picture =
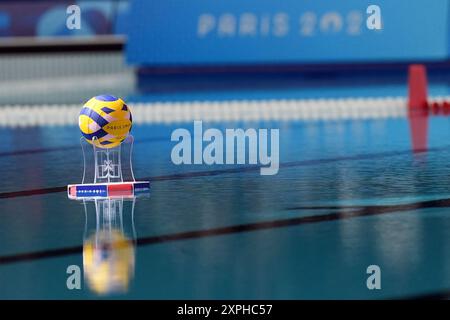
109	244
109	192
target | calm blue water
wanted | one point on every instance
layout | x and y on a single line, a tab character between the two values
328	171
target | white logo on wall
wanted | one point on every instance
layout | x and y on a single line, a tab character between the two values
73	21
74	279
281	24
238	143
374	280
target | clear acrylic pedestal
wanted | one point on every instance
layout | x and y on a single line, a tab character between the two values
107	173
108	191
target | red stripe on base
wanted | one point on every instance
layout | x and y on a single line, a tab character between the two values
123	189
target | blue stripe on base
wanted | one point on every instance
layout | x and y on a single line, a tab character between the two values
92	191
141	187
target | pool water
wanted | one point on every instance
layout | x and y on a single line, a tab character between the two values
349	194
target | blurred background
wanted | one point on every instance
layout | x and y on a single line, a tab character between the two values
44	61
158	50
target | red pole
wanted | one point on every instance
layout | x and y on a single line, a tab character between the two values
417	87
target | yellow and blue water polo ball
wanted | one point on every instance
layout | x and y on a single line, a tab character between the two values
105	121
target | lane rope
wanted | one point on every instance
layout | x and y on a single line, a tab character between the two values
218	111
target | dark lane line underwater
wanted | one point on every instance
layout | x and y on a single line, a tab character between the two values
348	213
65	148
187	175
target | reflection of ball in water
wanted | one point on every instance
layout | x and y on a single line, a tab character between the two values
108	260
105	121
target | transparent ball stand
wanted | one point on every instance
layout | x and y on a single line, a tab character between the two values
110	165
109	189
108	172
